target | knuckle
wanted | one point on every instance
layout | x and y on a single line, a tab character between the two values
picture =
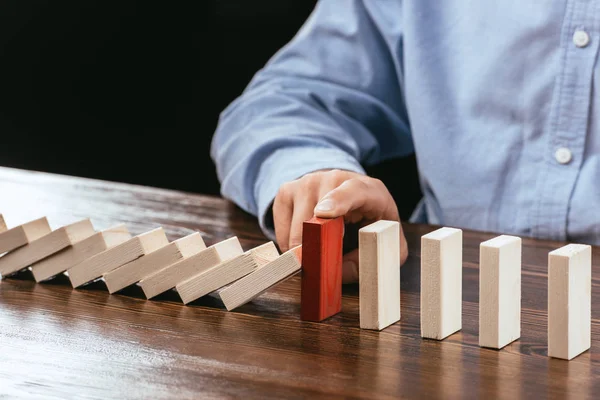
376	182
285	191
310	179
338	176
378	185
358	184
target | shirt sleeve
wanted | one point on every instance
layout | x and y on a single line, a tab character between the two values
330	98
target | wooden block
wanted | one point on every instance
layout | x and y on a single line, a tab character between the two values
144	266
23	234
94	267
260	280
441	283
569	301
2	224
499	291
168	277
379	274
322	250
79	252
45	246
226	272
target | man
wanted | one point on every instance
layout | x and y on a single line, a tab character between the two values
496	99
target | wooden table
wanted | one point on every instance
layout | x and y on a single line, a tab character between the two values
57	342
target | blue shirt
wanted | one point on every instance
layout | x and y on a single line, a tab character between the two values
498	100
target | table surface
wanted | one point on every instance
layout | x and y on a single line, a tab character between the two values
57	342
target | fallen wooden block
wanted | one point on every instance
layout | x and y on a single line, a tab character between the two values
322	250
168	277
2	224
441	283
499	291
569	301
144	266
226	272
45	246
379	274
260	280
94	267
79	252
23	234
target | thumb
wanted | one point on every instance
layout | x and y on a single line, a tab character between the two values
350	267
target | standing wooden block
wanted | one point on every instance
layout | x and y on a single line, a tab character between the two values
44	246
441	283
168	277
94	267
322	250
79	252
260	280
379	274
499	291
2	224
569	301
23	234
226	272
136	270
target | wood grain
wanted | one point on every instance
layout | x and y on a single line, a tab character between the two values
79	252
322	247
226	273
57	342
23	234
45	246
379	274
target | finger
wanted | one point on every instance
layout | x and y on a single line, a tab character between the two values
350	267
403	247
303	211
282	219
368	198
330	181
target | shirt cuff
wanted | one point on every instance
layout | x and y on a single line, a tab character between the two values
288	164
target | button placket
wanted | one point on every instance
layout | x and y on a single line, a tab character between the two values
568	120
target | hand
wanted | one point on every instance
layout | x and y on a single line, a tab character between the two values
330	194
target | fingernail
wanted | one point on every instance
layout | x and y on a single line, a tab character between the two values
325	205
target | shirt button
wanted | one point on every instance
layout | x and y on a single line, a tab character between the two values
563	155
581	38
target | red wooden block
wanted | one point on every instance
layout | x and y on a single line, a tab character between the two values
322	250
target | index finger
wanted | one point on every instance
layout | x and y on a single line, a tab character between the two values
367	197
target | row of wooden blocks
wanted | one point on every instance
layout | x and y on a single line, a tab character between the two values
148	259
194	270
569	292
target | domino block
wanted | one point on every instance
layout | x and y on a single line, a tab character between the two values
168	277
2	224
45	246
499	291
226	272
23	234
108	260
441	283
569	301
379	274
136	270
79	252
260	280
322	250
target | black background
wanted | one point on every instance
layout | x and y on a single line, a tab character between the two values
131	91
